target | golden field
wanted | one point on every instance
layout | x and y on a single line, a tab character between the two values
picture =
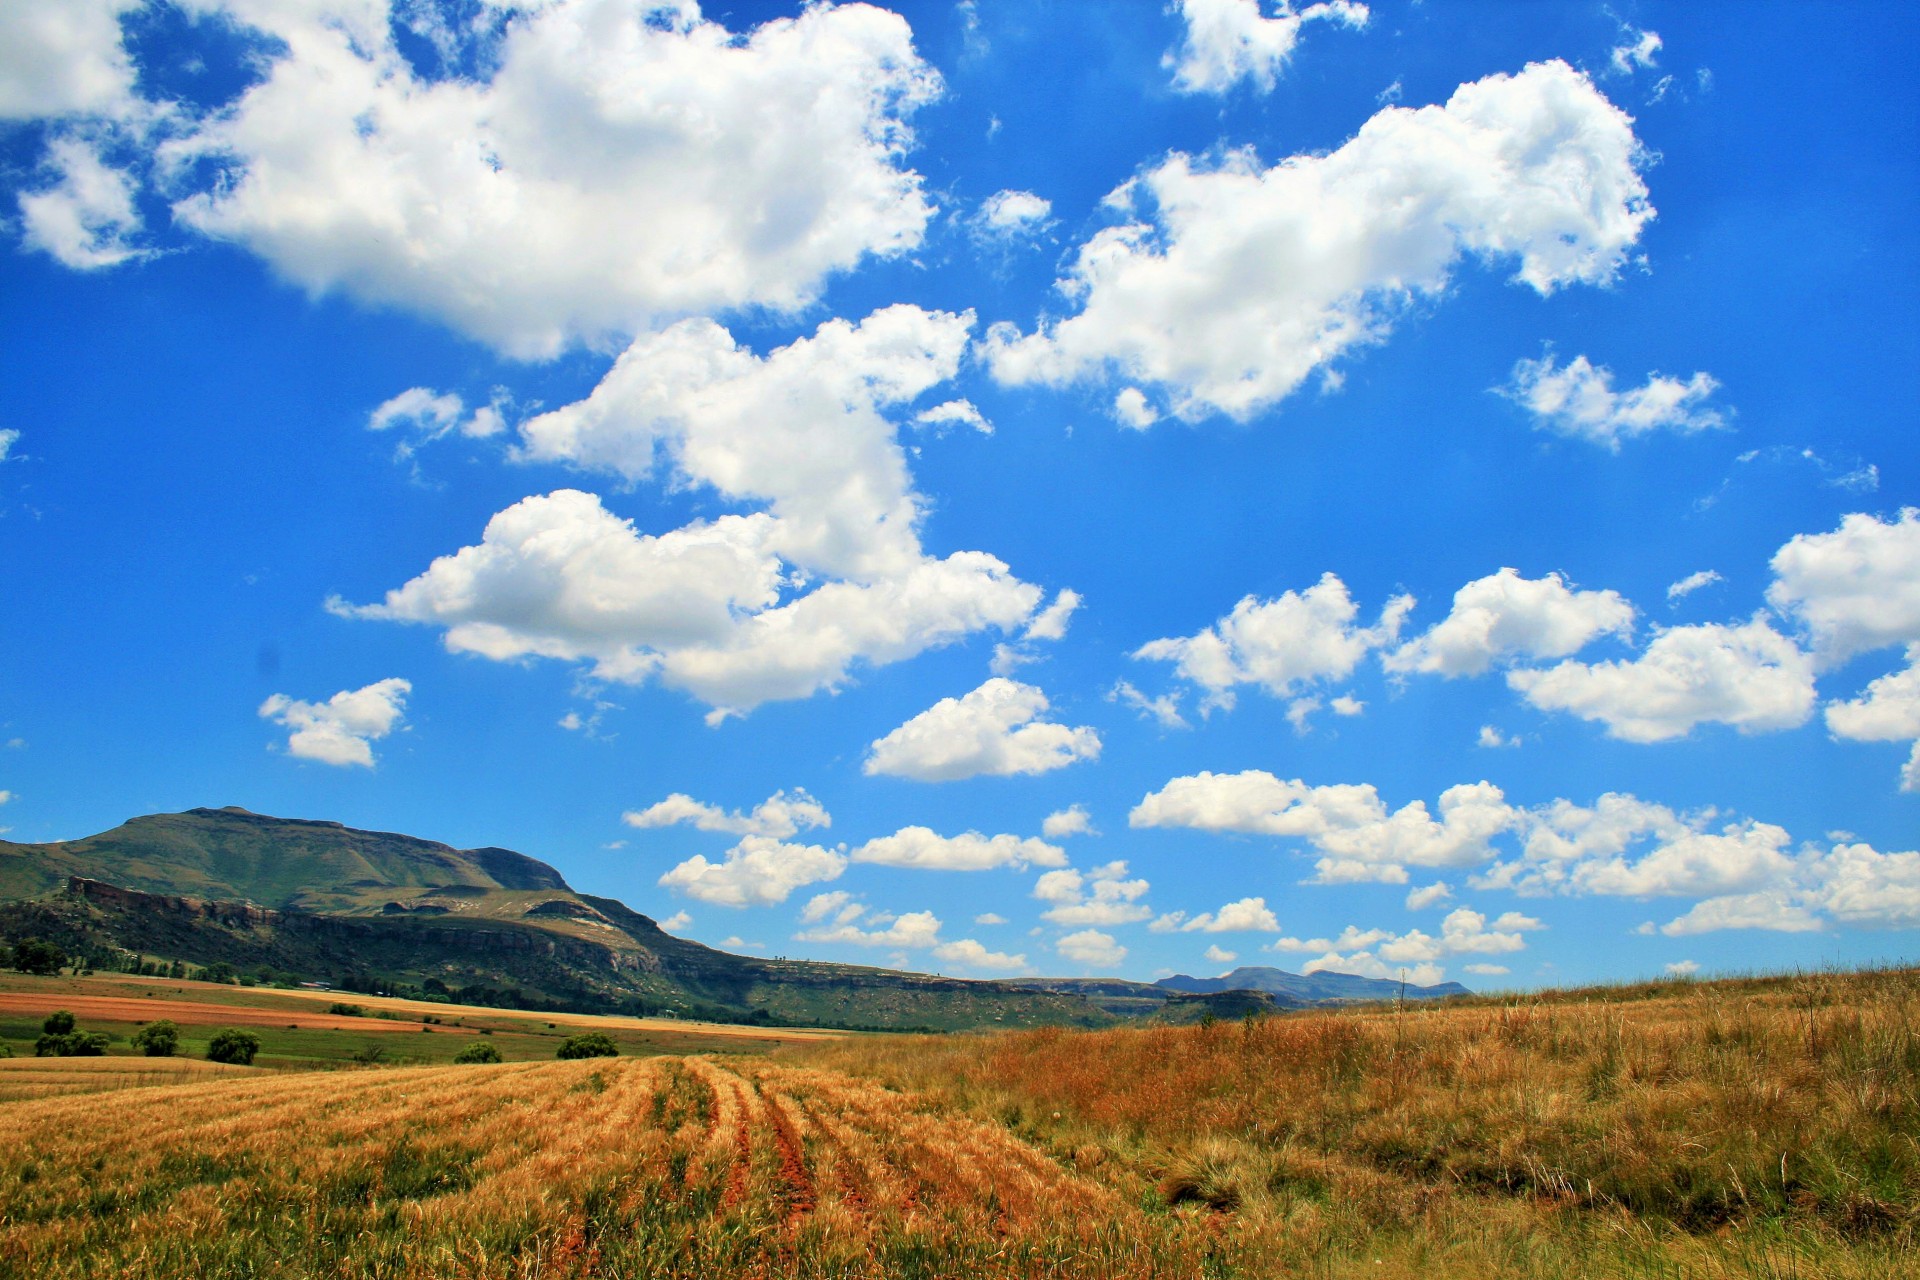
1764	1128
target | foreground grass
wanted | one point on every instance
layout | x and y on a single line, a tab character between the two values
1762	1129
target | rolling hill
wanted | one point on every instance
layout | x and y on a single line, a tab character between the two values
367	910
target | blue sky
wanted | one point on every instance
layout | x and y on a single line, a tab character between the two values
993	487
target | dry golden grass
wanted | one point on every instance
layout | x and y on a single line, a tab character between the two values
1755	1128
51	1077
654	1167
1768	1130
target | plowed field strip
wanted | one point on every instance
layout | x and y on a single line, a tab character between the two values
188	1013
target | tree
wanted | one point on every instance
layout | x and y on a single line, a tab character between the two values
591	1045
236	1047
157	1039
478	1051
60	1037
37	955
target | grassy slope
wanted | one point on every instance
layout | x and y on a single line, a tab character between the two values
1763	1129
472	918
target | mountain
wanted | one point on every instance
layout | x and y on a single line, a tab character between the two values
1309	988
319	901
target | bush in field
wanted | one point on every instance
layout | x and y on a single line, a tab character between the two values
341	1008
478	1051
235	1047
157	1039
36	955
60	1037
591	1045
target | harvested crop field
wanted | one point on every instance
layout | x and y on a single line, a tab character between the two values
116	1009
655	1167
51	1077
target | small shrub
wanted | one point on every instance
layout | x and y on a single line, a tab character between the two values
479	1051
157	1039
58	1023
591	1045
370	1054
341	1008
234	1047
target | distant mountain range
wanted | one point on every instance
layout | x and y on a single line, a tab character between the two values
297	900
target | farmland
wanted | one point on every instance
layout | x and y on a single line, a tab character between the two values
1765	1128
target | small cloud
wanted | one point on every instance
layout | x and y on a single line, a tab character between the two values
1219	955
1391	94
1091	948
1684	968
677	922
1346	705
1071	821
989	918
1298	713
1579	400
1636	51
1487	970
614	844
1131	409
734	943
1429	895
1692	583
952	413
1165	709
1492	737
340	730
1007	217
8	439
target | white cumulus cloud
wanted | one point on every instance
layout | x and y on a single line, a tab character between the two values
342	729
1102	896
1579	400
1070	821
1347	824
741	609
1246	278
1281	645
780	815
995	730
87	218
617	165
927	850
1503	617
1855	589
1092	949
1887	711
1228	41
1693	582
1748	676
757	872
64	58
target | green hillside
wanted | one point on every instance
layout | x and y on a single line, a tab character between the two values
368	910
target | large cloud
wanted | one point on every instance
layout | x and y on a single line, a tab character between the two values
1504	616
342	729
1349	825
994	730
611	165
1855	589
64	58
759	871
1748	676
1246	278
729	609
1281	644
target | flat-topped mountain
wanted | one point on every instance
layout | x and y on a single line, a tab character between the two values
319	901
